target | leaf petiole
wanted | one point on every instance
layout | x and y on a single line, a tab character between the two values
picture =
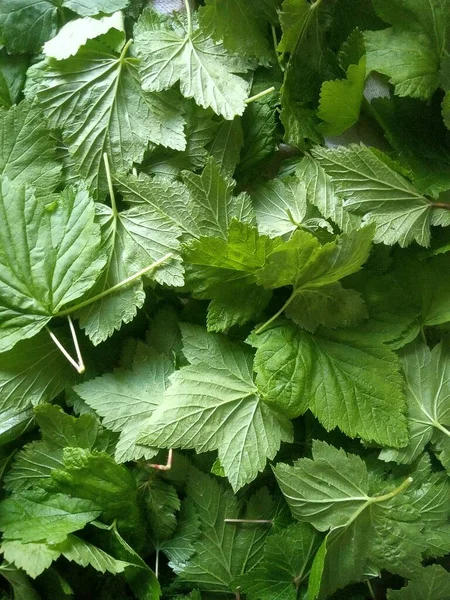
260	95
77	364
115	287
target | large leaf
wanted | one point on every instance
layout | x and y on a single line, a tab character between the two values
345	378
182	52
96	99
373	189
429	583
49	256
213	404
126	399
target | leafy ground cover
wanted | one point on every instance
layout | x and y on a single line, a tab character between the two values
225	300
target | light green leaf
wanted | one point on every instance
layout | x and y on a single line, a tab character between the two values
213	205
241	26
49	256
213	404
321	192
182	52
36	515
427	375
284	567
345	378
26	24
223	550
373	189
428	583
33	466
75	34
27	152
85	554
126	399
132	239
127	118
313	271
33	372
340	100
224	271
31	557
14	423
410	51
280	206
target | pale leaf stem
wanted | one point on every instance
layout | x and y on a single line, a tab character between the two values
260	95
110	185
249	521
115	287
168	464
189	17
77	366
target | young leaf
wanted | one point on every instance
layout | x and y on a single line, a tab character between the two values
126	399
371	188
345	378
313	271
213	404
49	257
340	100
182	52
125	118
224	271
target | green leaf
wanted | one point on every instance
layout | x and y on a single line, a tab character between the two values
26	24
280	206
83	553
304	27
161	503
19	583
313	271
132	239
36	515
428	583
182	52
340	100
227	143
95	477
27	152
242	27
373	189
12	78
75	34
368	517
213	404
33	372
321	192
223	551
345	378
33	557
179	548
410	51
15	423
127	118
284	568
427	374
224	271
126	399
37	284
